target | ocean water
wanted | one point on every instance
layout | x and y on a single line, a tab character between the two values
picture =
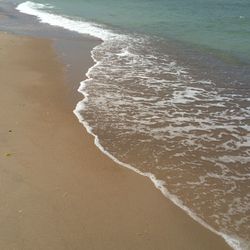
213	24
169	97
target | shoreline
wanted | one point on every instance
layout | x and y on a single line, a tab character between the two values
157	183
90	193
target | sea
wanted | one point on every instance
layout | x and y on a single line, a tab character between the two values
168	97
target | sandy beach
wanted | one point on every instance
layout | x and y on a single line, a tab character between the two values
58	191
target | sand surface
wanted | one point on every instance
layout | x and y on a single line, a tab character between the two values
57	190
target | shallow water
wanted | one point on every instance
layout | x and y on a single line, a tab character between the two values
221	25
170	109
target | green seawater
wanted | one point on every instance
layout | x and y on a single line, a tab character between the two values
210	25
169	95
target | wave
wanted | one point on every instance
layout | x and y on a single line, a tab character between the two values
79	26
159	184
110	38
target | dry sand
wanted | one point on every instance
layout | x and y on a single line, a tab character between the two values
57	190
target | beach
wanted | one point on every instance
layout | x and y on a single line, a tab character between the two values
58	190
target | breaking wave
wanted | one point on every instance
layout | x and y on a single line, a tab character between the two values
190	136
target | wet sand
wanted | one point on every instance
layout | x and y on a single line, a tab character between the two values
57	190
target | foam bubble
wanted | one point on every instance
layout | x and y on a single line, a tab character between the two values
79	26
233	241
148	95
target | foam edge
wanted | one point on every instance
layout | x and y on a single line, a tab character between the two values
234	243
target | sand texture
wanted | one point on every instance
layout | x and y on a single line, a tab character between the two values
57	190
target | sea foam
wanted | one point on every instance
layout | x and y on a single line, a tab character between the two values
180	96
79	26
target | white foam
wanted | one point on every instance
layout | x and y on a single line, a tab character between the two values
234	159
187	95
233	242
79	26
